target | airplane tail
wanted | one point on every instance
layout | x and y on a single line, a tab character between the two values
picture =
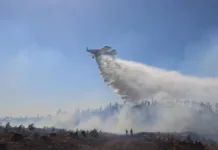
113	52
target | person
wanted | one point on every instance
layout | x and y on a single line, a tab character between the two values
131	132
126	132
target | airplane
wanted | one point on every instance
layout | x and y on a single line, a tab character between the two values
102	51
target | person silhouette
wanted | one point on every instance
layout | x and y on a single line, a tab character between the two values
126	132
131	132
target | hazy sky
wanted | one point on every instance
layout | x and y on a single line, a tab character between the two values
44	65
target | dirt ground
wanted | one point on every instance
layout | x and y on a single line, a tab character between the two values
67	141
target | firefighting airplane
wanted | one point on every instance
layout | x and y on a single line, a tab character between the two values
103	51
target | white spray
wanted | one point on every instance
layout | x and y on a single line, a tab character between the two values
134	81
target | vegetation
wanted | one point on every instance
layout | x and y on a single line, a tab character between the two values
22	138
31	137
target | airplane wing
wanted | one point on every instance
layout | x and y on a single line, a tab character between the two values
93	51
113	52
105	49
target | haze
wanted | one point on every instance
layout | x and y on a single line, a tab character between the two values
44	65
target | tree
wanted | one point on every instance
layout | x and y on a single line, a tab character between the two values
53	129
94	133
8	125
21	128
188	138
31	127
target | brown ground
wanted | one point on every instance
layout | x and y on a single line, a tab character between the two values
65	141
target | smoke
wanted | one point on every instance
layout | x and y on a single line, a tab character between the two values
153	118
134	81
140	82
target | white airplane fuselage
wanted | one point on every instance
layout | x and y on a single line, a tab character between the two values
102	51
